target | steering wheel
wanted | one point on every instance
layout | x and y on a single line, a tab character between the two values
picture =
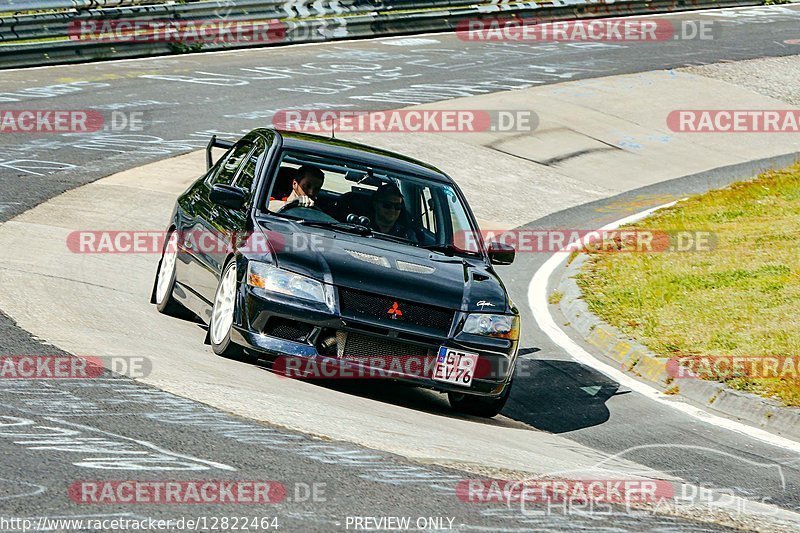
312	212
295	204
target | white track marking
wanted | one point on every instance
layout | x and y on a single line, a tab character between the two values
40	489
537	300
144	443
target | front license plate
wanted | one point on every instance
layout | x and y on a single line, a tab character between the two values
455	366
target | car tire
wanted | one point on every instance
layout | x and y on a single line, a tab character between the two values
222	315
477	406
165	280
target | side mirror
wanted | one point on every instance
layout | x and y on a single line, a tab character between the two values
501	253
228	196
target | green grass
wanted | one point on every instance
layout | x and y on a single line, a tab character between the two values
741	299
555	298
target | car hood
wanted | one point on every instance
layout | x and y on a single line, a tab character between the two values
385	268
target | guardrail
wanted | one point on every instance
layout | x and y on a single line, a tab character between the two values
41	32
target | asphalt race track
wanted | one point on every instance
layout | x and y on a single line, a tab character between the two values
186	99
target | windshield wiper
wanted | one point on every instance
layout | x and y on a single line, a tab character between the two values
393	238
341	226
447	249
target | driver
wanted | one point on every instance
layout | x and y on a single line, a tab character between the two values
388	204
305	188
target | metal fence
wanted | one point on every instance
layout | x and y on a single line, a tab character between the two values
39	32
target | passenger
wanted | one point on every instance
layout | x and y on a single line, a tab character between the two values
305	188
388	205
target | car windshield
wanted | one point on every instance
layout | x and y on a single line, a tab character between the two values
391	205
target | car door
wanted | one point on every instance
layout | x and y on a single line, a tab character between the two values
205	240
192	206
230	226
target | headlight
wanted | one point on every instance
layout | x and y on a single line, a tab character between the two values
272	279
500	326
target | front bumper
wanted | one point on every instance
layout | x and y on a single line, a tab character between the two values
280	326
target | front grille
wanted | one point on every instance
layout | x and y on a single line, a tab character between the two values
363	305
366	350
287	329
362	346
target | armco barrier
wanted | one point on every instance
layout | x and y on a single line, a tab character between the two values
36	32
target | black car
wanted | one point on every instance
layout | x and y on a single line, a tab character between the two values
324	283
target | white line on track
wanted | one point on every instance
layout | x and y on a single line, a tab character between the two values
144	443
537	300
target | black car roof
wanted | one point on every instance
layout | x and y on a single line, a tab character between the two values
362	153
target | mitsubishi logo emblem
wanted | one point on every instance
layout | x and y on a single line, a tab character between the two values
395	311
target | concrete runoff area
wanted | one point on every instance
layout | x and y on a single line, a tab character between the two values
98	304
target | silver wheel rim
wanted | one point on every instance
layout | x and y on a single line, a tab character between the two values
222	316
167	268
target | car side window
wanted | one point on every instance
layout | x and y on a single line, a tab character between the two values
231	163
247	175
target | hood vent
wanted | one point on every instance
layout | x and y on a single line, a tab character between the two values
376	260
405	266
